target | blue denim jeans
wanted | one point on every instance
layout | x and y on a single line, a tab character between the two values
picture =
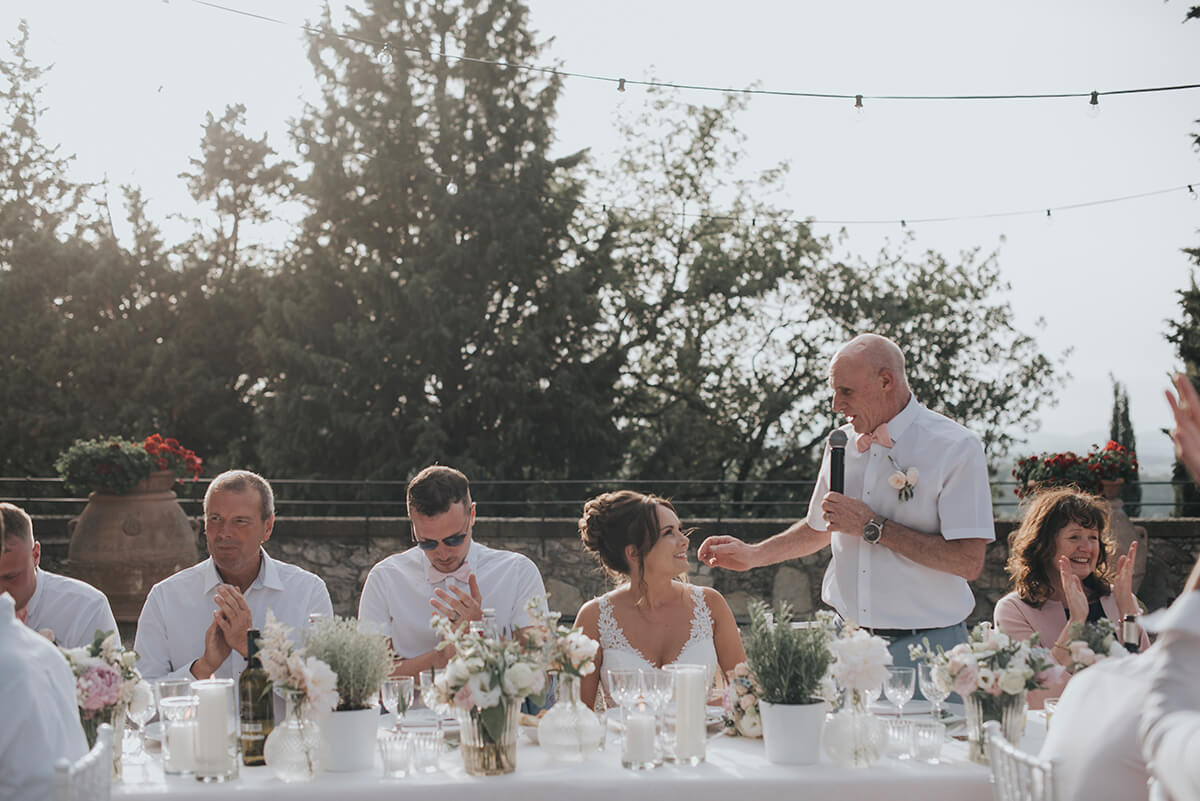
947	637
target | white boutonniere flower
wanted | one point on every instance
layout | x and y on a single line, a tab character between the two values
903	481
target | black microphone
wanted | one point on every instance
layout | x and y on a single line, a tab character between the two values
837	461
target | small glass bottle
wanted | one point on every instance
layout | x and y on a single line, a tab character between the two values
254	703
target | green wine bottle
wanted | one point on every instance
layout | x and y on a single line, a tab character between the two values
254	703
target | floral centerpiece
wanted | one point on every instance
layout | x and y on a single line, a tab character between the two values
1112	462
106	684
860	667
569	730
485	682
992	672
309	686
740	714
1092	642
115	465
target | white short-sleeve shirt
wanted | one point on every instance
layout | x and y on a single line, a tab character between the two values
179	609
873	585
396	595
71	609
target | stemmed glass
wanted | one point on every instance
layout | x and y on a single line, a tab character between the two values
901	681
397	696
932	689
625	686
427	693
139	711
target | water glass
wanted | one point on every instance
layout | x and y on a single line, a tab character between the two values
397	696
395	754
427	678
424	736
899	686
933	690
625	686
1049	707
927	738
899	743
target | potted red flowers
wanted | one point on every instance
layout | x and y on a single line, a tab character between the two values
1111	464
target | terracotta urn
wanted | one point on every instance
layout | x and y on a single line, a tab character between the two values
124	544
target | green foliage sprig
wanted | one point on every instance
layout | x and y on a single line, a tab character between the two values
361	660
787	664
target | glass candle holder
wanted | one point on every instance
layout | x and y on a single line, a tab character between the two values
215	752
639	747
179	733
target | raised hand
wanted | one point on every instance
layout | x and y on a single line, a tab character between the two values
1075	598
845	514
1187	424
216	650
727	552
233	616
459	605
1123	583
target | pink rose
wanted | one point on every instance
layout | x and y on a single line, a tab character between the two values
966	680
462	699
98	687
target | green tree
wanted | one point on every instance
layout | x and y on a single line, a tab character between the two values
1185	334
437	305
727	314
1121	431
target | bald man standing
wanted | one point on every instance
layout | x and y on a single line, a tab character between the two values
916	517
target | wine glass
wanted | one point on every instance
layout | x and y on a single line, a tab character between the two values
625	686
428	696
397	696
901	681
141	708
931	688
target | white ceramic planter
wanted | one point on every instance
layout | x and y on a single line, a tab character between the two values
348	740
792	732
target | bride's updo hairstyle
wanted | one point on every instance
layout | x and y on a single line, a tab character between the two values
615	520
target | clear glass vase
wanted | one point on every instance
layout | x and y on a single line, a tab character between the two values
114	716
981	707
569	731
489	738
853	736
292	749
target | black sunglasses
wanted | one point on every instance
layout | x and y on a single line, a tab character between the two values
453	541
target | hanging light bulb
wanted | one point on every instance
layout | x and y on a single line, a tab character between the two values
384	56
1094	105
1192	192
858	106
621	85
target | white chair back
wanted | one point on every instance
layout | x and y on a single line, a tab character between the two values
90	777
1016	775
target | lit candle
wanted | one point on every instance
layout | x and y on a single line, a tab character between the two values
689	713
638	748
212	725
181	741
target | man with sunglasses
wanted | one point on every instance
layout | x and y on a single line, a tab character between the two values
445	573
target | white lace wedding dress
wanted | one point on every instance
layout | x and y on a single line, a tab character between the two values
620	655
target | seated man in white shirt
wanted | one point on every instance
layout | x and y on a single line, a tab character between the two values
40	719
194	623
66	610
446	573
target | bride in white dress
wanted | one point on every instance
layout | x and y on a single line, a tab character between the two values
653	619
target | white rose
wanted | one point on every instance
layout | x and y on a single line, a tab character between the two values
912	475
897	480
1012	681
457	673
518	680
141	698
482	692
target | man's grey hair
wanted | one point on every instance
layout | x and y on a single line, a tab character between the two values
242	481
15	524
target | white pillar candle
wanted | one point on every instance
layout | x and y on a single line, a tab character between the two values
689	713
639	738
181	741
212	726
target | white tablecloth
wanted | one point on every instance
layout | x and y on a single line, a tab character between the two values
736	770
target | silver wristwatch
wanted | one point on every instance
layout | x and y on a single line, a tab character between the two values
873	530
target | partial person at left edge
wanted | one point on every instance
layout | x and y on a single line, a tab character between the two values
66	611
194	623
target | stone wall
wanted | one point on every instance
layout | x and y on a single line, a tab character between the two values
342	551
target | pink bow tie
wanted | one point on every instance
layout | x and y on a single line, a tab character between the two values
462	575
880	435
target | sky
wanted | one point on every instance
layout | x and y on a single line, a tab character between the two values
132	80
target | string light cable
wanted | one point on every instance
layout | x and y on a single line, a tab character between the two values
385	49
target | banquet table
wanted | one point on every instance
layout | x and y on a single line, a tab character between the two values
735	768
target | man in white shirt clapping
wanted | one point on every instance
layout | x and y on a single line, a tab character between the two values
194	623
445	573
67	611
